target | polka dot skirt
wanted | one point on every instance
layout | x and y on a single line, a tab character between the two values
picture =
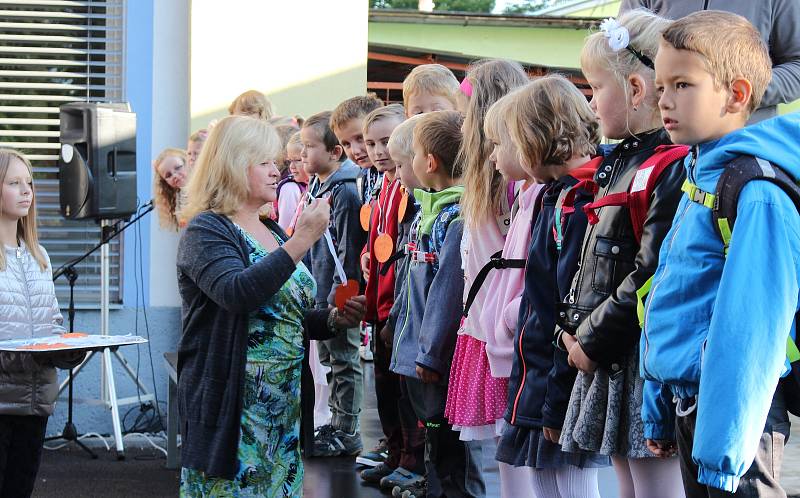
474	397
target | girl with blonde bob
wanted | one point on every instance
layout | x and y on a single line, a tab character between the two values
171	169
28	382
247	304
555	133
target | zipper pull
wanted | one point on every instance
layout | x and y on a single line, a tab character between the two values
695	152
19	252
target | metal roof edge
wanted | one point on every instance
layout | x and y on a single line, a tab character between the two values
473	19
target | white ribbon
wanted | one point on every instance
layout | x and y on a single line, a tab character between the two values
617	35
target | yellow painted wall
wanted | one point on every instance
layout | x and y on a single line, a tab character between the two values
306	55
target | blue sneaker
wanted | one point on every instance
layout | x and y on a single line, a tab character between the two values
375	456
375	474
401	478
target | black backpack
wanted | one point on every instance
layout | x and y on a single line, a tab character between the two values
723	205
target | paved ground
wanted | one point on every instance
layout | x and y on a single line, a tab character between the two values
69	473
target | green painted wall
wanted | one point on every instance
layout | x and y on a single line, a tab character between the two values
609	9
552	47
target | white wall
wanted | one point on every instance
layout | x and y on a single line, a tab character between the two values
170	129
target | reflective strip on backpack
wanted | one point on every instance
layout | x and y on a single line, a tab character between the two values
791	350
725	233
640	293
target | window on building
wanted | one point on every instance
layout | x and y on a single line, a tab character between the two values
51	53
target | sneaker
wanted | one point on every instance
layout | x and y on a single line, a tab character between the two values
417	490
401	478
365	352
375	456
334	442
375	474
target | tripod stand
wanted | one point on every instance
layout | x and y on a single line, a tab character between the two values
108	388
70	433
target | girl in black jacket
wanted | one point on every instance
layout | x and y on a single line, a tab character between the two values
618	257
554	130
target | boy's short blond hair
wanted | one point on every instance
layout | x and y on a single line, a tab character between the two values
434	79
252	103
353	108
402	138
730	46
396	111
439	133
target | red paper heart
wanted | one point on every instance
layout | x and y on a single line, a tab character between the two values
344	292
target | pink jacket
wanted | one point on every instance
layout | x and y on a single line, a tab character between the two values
504	289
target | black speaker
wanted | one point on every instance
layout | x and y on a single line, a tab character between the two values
97	161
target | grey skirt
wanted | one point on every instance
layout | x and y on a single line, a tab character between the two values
604	413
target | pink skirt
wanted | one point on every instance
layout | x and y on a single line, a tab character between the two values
474	397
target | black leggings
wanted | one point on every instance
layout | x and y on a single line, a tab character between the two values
21	440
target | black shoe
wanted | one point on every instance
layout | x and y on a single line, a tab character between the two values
329	443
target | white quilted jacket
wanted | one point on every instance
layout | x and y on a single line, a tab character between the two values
28	308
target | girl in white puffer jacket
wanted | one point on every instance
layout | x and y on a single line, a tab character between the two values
28	308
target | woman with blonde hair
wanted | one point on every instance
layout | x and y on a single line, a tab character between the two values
252	103
247	306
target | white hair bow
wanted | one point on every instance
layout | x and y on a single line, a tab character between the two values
617	34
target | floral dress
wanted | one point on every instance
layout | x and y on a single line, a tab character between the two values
270	463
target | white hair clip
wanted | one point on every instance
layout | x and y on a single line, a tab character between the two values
617	34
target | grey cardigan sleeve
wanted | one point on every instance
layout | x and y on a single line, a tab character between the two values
784	49
210	256
443	306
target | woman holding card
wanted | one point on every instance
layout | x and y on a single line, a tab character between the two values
28	308
247	302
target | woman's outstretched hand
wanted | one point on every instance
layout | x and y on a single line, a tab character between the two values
310	226
352	313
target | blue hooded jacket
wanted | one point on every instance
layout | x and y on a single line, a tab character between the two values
717	327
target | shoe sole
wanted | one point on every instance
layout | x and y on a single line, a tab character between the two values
368	462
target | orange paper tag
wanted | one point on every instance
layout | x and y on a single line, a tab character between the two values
44	347
74	335
365	214
384	247
401	209
289	231
345	292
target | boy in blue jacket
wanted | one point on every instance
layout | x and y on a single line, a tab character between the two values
716	327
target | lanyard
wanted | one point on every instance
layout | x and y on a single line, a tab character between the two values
383	209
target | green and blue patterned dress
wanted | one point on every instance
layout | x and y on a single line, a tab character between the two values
270	464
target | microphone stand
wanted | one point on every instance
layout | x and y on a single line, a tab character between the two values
70	432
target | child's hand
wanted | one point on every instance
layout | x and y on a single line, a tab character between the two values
662	448
387	336
552	435
579	360
428	376
352	313
365	265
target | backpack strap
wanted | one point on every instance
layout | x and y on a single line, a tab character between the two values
496	262
637	197
565	204
723	205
